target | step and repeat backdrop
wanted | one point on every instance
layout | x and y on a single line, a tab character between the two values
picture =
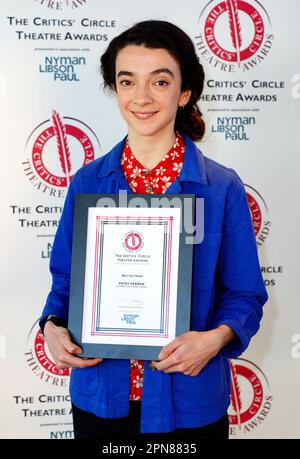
50	84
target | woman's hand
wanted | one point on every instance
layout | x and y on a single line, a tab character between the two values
190	352
64	350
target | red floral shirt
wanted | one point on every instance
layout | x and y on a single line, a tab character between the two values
156	180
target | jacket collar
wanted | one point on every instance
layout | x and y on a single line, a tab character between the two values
193	168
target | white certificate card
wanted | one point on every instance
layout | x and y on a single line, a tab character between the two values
131	275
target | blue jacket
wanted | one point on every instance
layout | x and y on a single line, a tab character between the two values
227	289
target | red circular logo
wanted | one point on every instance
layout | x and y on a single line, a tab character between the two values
44	359
250	396
242	47
64	154
133	241
57	148
233	34
40	361
255	402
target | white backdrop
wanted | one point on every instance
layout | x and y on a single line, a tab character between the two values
49	78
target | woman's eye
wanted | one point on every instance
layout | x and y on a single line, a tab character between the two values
161	83
125	83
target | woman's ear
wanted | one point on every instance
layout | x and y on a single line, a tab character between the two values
185	97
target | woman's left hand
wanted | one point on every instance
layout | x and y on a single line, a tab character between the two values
190	352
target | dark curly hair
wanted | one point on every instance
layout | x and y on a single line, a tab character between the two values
162	34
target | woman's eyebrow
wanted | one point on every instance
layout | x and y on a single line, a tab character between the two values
154	72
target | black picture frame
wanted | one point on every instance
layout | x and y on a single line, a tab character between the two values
82	203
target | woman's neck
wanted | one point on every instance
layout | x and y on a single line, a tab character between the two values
150	150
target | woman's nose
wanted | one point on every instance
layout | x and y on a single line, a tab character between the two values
142	95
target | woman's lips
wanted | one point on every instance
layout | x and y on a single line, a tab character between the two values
143	115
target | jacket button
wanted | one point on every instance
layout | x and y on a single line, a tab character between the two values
149	189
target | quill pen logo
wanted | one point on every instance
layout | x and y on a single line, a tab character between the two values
234	34
62	146
250	396
235	27
56	149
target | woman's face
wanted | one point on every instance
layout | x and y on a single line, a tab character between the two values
148	89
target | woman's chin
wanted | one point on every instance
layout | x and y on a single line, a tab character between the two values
147	130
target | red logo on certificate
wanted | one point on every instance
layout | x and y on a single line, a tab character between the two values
133	241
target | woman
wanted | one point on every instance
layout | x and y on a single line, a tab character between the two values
154	72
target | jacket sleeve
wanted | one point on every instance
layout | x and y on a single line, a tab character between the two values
60	262
241	293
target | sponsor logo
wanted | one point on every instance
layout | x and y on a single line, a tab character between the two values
259	213
130	318
62	68
40	361
62	5
234	34
251	400
133	241
55	150
233	127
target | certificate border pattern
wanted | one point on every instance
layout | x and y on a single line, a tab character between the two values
163	332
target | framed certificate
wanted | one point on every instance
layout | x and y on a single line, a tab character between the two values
131	274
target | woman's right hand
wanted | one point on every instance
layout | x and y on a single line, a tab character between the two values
63	350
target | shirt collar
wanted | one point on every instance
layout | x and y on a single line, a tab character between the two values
193	168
